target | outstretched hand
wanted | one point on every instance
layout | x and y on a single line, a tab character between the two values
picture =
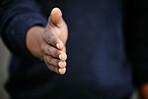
49	43
54	39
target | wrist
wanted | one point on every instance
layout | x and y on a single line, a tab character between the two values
33	41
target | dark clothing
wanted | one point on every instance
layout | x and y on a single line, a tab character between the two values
97	63
136	34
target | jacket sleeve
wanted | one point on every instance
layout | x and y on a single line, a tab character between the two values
137	39
16	17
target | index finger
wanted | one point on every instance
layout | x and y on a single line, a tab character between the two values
53	40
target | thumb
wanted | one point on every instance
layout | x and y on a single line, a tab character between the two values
56	16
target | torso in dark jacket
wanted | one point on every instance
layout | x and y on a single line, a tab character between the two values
97	65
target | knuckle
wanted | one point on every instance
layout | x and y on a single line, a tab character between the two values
49	40
48	51
50	61
52	39
50	36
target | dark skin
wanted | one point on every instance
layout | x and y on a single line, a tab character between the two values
49	43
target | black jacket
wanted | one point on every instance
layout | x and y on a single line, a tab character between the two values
98	66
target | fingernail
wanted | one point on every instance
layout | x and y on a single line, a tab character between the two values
62	71
62	64
60	56
58	45
65	56
59	64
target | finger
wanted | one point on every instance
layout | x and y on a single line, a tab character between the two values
56	17
56	69
53	68
62	71
52	51
54	62
53	40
